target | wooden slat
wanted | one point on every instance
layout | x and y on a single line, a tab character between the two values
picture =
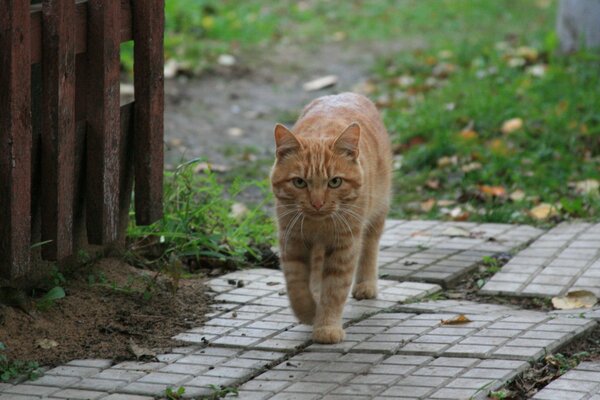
15	139
58	127
126	166
103	127
80	28
148	27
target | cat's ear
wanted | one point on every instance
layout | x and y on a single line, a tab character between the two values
285	141
347	142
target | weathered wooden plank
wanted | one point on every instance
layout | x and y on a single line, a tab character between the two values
126	168
148	28
58	127
15	139
103	128
80	28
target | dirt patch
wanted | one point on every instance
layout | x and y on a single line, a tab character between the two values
108	305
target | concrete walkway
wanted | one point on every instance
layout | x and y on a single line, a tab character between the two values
398	346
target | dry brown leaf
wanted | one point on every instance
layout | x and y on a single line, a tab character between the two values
140	352
458	320
47	344
517	195
471	167
575	299
468	134
447	161
497	191
446	203
433	184
454	231
427	205
511	125
203	166
320	83
543	211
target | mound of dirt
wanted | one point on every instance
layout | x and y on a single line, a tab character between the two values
108	306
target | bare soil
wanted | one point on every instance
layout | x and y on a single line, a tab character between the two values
104	318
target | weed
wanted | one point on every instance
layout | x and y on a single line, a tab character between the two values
172	394
222	391
198	223
564	363
49	298
499	394
11	369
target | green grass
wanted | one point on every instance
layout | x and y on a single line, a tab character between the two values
11	369
199	225
557	146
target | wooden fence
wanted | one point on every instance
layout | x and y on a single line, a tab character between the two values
69	152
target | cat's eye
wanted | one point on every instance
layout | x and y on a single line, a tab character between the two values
299	183
335	182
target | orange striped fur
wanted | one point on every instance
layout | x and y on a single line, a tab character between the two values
331	180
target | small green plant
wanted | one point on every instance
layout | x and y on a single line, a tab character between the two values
499	394
565	363
492	264
222	391
49	298
199	224
10	369
173	394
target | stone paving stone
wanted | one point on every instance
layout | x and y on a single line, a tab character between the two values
393	377
515	334
582	382
265	321
441	252
563	259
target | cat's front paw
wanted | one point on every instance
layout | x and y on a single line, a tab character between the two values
365	290
328	334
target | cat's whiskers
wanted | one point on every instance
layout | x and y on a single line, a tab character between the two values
290	227
343	219
302	230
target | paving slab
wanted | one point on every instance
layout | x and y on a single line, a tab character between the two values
455	306
442	252
519	335
565	258
580	383
366	376
257	314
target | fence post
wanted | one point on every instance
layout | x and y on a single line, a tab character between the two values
58	127
15	138
103	126
148	28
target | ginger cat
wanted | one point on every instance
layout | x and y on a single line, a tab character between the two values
331	180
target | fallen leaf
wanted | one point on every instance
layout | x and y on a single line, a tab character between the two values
239	210
468	134
140	352
427	205
226	60
454	231
517	195
320	83
543	211
496	191
587	186
511	125
447	161
235	132
203	166
474	166
446	203
46	344
433	184
339	36
538	70
458	320
575	299
498	147
405	81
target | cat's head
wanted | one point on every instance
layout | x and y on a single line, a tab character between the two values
317	175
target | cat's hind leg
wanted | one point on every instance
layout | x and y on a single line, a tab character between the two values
365	281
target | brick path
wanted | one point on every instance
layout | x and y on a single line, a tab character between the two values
397	346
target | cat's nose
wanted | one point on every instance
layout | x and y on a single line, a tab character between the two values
317	204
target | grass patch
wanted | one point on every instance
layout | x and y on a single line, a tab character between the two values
447	108
203	224
11	369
